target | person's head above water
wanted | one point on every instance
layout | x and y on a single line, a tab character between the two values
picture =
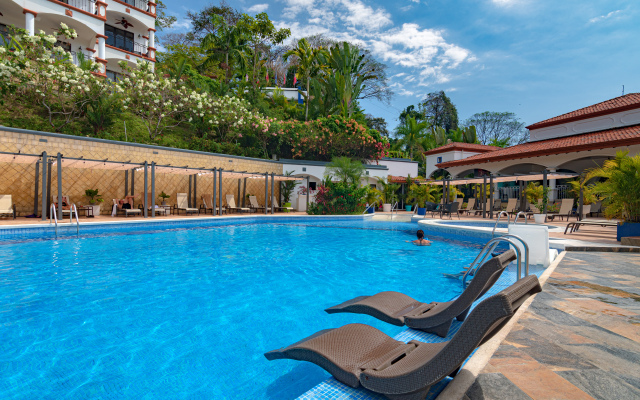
420	234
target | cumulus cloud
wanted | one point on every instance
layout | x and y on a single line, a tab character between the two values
258	8
604	17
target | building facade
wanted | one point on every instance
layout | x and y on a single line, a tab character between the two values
109	31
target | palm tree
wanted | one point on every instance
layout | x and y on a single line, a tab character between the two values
345	169
227	42
411	134
308	66
621	190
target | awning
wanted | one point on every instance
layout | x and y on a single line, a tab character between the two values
95	164
19	158
510	178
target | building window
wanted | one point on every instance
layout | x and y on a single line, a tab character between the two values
367	173
119	38
304	169
439	160
113	76
312	186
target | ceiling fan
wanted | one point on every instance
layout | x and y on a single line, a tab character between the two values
123	21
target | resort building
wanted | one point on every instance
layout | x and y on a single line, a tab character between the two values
452	152
109	31
571	143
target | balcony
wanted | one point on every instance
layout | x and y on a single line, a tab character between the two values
124	40
84	5
74	56
139	4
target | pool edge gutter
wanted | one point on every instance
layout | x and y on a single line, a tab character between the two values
458	387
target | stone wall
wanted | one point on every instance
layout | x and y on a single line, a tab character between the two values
19	179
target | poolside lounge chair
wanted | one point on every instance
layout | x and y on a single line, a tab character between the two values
399	309
360	355
207	204
566	210
66	204
512	204
119	207
275	205
7	206
488	209
575	226
450	209
596	208
253	200
183	205
160	210
469	208
231	204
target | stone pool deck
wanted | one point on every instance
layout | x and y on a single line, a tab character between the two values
579	339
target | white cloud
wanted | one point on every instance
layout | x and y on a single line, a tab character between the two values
605	17
405	92
504	2
258	8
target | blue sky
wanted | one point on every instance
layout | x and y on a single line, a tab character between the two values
536	58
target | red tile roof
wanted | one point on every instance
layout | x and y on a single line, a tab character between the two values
479	148
403	179
622	103
618	137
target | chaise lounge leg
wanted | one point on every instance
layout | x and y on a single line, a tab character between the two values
417	395
440	330
462	316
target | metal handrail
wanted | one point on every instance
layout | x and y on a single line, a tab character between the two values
515	221
393	210
490	247
368	207
498	220
75	209
52	212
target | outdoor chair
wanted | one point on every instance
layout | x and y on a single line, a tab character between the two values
487	209
66	205
512	204
431	207
118	207
360	355
450	209
7	206
566	210
596	208
275	205
159	209
183	205
231	204
469	208
253	200
399	309
207	204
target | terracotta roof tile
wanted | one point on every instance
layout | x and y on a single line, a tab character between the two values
618	137
626	102
481	148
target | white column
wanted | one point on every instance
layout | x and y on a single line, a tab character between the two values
553	193
152	38
30	22
101	50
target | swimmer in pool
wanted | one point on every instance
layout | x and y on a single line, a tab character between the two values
421	241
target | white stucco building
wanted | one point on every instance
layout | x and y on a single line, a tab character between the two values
109	31
452	152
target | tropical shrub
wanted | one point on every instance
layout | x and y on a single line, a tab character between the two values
338	198
621	189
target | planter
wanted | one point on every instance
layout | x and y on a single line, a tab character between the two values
422	211
539	218
286	205
408	208
302	202
386	207
627	229
164	203
371	209
96	209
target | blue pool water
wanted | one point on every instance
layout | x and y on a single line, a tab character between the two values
188	313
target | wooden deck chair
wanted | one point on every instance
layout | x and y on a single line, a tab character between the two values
7	206
231	204
183	205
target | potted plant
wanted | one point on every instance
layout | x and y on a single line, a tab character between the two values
303	192
95	199
621	192
388	194
419	195
534	193
372	198
164	198
286	190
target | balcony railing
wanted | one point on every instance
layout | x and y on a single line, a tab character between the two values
73	56
84	5
140	4
127	44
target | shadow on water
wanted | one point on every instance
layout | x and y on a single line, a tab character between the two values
296	382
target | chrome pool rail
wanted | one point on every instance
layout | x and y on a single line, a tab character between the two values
517	215
490	247
53	216
74	209
368	207
393	210
498	220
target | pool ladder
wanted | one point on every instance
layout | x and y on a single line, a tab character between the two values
394	210
488	249
53	217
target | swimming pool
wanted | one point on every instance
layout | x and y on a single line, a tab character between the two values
188	313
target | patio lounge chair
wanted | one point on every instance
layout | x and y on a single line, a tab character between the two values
231	204
277	207
469	208
207	204
575	226
488	209
360	355
512	204
253	200
66	204
183	205
566	210
119	207
7	206
399	309
450	209
160	210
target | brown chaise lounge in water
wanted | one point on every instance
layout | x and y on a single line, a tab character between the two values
360	355
399	309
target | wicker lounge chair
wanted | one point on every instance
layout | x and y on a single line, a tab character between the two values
360	355
470	205
118	207
277	207
7	207
231	204
450	209
253	200
399	309
183	205
207	204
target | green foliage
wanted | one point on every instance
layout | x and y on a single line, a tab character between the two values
347	170
410	134
94	196
101	113
588	195
621	189
534	192
498	128
420	194
286	189
438	110
308	65
388	194
163	196
338	198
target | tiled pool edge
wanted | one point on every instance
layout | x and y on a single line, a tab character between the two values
458	387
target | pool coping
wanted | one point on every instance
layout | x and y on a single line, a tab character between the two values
458	387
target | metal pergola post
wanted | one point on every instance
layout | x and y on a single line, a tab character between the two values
44	187
126	183
580	203
189	193
215	172
491	196
266	193
35	196
133	182
522	196
484	196
244	192
146	190
59	167
239	185
545	186
272	192
308	195
153	189
220	190
49	174
194	198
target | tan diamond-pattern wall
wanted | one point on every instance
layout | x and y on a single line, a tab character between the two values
19	179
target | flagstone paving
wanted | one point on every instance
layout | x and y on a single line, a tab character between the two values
579	339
